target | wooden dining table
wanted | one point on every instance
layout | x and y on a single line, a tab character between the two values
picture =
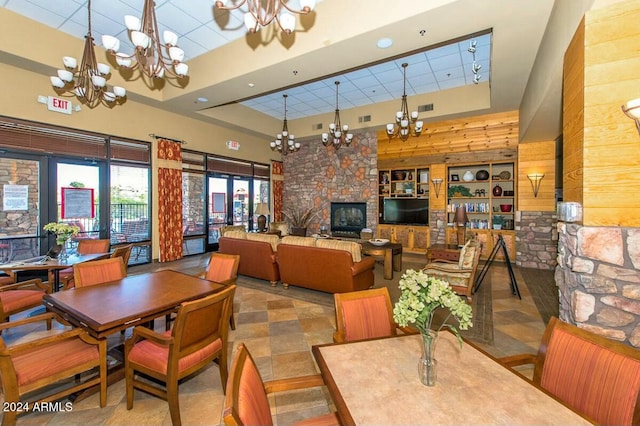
107	308
376	382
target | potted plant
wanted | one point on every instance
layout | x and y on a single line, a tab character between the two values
299	219
497	222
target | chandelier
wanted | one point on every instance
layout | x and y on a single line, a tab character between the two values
89	86
154	58
405	125
337	132
279	144
262	13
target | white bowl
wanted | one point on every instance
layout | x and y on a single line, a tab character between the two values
379	241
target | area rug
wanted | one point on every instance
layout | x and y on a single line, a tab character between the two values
482	330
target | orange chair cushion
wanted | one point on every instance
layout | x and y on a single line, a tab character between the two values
366	318
5	280
253	405
48	360
13	300
598	382
324	420
156	357
220	270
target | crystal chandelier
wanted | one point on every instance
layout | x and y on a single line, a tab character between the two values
279	144
89	86
262	13
337	132
405	125
154	58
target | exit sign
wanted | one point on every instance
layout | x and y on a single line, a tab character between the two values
233	145
59	105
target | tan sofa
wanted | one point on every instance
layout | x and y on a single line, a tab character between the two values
326	265
257	254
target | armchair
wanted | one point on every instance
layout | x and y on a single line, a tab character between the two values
58	359
18	297
365	314
460	274
199	336
85	246
596	376
246	402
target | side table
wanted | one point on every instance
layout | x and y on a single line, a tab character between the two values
390	254
449	252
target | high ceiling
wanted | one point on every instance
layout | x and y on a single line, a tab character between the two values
336	42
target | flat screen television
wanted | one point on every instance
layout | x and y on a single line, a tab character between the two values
410	211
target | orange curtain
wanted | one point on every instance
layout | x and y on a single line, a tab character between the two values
169	200
277	178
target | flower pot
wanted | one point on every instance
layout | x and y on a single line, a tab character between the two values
505	207
297	231
497	227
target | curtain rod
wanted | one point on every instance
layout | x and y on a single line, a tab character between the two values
171	139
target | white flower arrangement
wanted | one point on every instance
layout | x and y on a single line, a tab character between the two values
63	231
421	295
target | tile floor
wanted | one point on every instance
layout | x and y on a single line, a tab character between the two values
279	332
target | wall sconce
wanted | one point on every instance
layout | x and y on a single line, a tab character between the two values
632	110
437	183
535	179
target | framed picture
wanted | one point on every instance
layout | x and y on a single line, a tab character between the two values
455	178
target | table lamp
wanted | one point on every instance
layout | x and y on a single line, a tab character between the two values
461	220
262	209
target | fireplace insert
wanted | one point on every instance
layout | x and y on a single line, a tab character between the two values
348	219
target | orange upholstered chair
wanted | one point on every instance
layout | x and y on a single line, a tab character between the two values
18	297
595	376
98	271
199	336
364	314
124	252
85	246
246	402
29	370
223	269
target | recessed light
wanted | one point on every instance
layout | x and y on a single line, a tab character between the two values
202	100
384	42
251	85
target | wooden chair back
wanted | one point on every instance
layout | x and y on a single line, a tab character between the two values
124	252
222	268
594	375
92	245
98	271
363	314
246	401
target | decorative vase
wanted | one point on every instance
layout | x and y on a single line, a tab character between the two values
497	191
468	176
62	254
427	365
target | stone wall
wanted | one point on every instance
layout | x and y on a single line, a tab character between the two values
536	240
437	226
598	277
317	175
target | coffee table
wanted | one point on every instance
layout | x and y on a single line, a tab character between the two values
390	253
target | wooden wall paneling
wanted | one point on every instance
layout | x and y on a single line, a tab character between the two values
538	157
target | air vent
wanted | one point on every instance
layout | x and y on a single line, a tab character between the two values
425	108
364	119
317	126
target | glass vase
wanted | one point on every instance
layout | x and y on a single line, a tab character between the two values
427	365
63	256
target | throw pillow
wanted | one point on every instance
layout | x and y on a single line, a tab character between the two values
469	255
236	234
299	241
463	250
267	238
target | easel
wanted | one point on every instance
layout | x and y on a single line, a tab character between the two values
499	244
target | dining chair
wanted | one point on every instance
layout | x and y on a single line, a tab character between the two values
365	314
51	367
124	252
246	401
221	268
594	375
85	246
99	271
17	297
199	336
